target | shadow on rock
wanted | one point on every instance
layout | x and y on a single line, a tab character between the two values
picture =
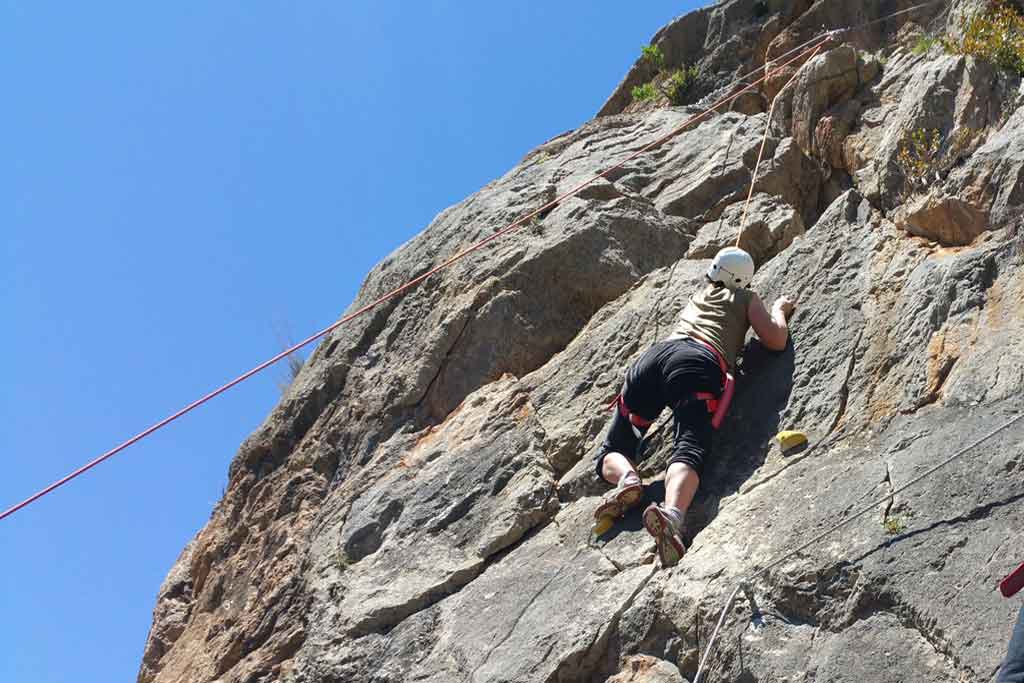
973	515
764	384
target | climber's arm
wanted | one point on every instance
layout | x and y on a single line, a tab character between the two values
771	328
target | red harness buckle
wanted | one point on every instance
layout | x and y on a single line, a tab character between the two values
719	406
633	418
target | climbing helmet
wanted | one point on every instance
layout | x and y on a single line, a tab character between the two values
733	267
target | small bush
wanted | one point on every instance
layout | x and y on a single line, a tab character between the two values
652	56
761	9
894	526
995	35
918	157
295	361
923	157
647	91
679	83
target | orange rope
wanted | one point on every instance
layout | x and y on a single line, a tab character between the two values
764	141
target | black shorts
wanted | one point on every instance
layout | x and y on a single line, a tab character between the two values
670	373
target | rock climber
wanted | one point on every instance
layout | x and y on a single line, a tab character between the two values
688	372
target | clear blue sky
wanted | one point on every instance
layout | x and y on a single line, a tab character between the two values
177	180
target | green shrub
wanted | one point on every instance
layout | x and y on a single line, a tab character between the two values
652	56
894	526
918	158
924	45
995	35
761	9
923	156
647	91
679	83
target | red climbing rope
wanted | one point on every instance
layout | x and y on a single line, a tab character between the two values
811	45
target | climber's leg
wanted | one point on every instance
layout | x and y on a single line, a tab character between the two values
692	441
616	468
681	482
1012	670
637	407
690	447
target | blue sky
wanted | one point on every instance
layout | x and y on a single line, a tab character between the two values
183	181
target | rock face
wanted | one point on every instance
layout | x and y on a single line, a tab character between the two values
418	506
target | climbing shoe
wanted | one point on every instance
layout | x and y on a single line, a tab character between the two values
666	526
616	502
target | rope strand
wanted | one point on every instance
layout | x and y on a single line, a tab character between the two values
849	520
813	43
764	141
390	295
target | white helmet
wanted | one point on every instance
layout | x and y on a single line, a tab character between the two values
733	267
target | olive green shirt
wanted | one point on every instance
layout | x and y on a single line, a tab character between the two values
718	315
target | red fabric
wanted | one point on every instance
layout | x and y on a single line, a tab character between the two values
723	405
718	406
1013	583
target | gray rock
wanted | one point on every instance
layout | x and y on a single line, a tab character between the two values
170	616
950	221
461	492
419	505
824	82
643	669
992	180
769	227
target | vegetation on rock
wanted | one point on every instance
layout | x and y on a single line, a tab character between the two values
677	85
924	45
647	91
924	157
652	55
894	526
995	35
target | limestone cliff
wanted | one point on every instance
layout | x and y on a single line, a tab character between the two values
417	508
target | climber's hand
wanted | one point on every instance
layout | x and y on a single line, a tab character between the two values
785	306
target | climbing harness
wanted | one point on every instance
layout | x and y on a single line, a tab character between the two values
635	421
718	406
800	50
746	585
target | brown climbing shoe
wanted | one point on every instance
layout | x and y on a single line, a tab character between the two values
616	502
667	529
